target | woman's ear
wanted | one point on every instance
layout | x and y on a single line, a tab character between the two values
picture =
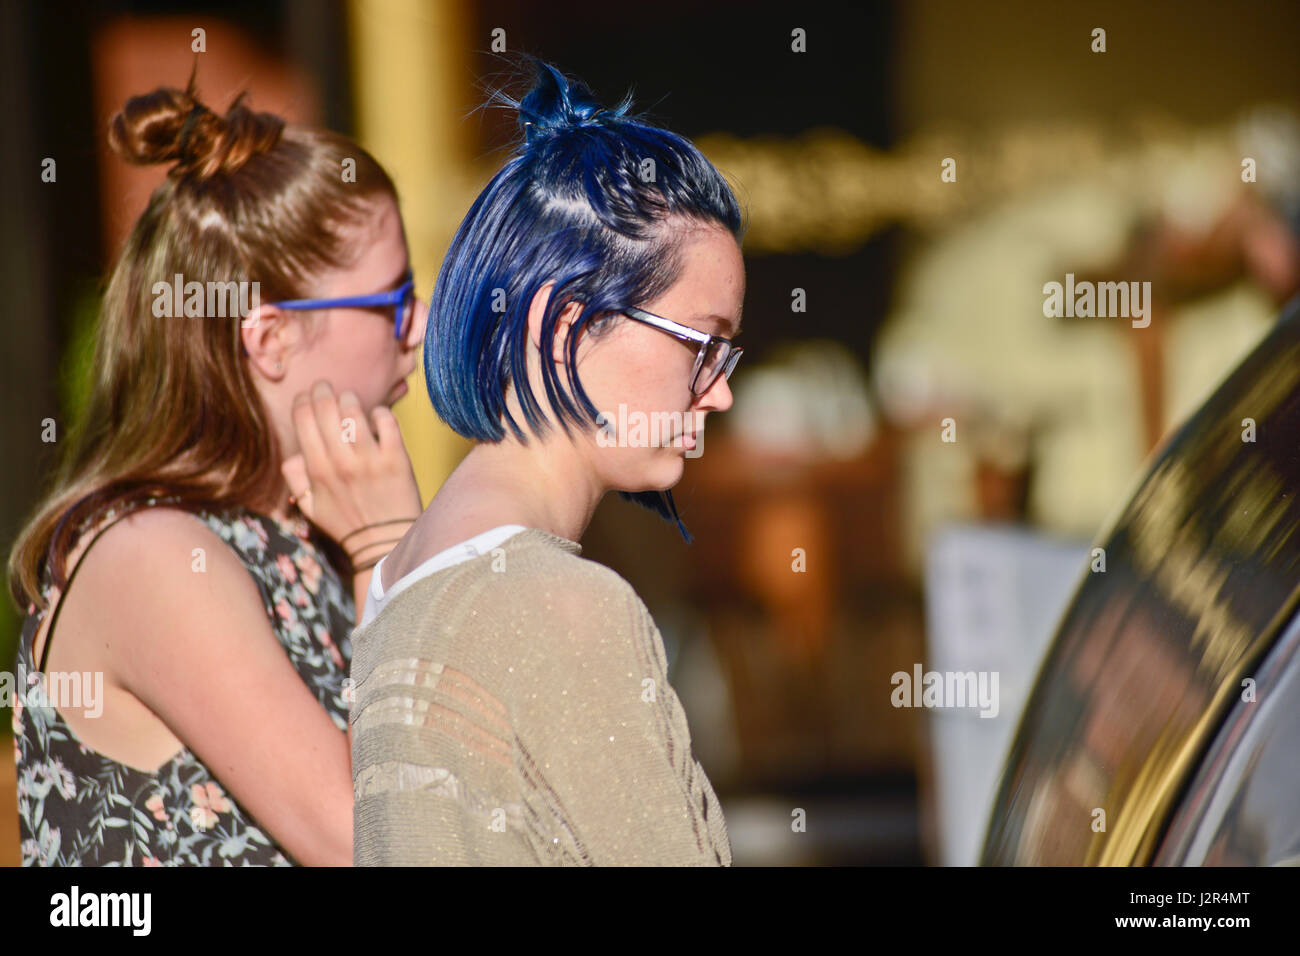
563	324
536	312
263	333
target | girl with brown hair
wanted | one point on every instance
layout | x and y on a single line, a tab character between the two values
193	710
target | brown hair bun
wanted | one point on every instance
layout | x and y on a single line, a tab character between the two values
172	125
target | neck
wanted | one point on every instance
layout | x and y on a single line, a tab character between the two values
275	503
541	485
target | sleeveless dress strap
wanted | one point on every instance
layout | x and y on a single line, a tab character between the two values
49	632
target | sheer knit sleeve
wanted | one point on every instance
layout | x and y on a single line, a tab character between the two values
603	740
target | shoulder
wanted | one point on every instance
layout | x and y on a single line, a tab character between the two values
559	616
537	575
530	593
154	583
160	537
162	557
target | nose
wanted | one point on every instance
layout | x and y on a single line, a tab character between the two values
717	399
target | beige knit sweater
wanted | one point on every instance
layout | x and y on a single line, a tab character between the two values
514	710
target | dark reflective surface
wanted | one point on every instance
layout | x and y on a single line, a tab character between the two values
1201	575
1243	807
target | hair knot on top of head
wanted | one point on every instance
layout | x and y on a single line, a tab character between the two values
557	103
187	132
170	125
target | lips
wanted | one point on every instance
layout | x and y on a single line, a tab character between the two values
398	391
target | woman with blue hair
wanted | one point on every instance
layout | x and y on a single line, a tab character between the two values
511	699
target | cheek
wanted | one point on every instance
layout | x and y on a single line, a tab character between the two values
363	361
642	375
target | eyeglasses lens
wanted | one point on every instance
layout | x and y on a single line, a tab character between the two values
715	357
405	310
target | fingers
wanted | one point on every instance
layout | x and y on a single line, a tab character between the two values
295	474
386	427
353	423
326	409
294	470
310	441
332	431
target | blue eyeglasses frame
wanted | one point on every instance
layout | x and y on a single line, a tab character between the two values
399	298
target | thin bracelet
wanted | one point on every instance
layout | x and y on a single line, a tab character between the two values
354	556
363	567
367	567
377	524
351	556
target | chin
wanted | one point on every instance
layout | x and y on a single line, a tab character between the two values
665	474
637	472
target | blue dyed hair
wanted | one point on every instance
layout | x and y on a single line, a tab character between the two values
572	206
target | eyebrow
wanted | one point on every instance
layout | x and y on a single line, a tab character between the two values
724	320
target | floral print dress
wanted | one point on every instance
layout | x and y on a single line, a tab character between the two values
77	807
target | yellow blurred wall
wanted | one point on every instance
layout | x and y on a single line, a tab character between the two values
412	86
